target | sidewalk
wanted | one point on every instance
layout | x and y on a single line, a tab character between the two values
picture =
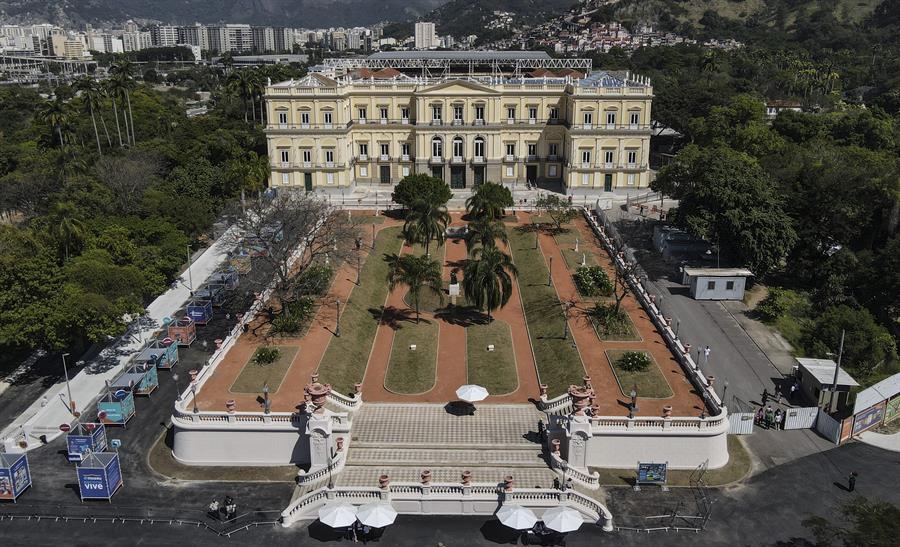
887	442
48	412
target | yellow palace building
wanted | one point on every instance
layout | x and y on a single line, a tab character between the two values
518	117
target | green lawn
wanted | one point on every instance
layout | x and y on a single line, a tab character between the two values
495	370
651	384
253	377
629	334
368	219
429	301
737	468
410	372
344	362
558	362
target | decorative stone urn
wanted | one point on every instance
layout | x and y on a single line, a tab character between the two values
317	394
466	478
219	343
667	411
543	388
587	382
687	349
426	477
711	379
668	321
193	372
357	389
314	378
508	483
384	481
340	443
230	405
554	446
580	397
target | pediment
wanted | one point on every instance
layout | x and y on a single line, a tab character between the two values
458	87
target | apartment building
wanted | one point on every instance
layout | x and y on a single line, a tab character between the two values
164	35
426	37
465	117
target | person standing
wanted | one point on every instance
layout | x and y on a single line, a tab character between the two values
706	356
777	418
214	509
769	417
851	481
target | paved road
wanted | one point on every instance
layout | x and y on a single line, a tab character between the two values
735	358
767	509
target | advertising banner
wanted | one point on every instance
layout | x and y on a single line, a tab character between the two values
869	417
15	475
77	445
652	473
893	409
92	483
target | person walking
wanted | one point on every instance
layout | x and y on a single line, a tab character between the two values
769	417
759	416
851	481
706	356
230	508
777	418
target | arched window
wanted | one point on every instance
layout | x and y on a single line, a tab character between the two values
457	147
479	147
437	147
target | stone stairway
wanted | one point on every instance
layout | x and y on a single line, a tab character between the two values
403	440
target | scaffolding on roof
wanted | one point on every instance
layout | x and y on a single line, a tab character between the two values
439	63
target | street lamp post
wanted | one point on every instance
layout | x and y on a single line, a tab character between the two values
266	408
550	274
834	383
633	406
566	307
337	327
190	275
194	396
534	229
330	465
68	387
358	247
177	391
373	236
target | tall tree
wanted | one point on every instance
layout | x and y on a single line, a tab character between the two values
420	186
487	279
485	233
90	95
55	113
489	201
242	84
67	227
726	197
417	273
123	72
426	222
113	91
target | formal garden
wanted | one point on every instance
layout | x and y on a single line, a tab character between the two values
411	305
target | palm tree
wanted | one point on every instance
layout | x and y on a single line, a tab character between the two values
487	279
240	82
90	94
485	232
417	273
123	72
55	113
68	228
709	65
426	222
489	201
250	173
112	89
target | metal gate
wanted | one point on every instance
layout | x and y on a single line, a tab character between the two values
828	427
740	417
801	418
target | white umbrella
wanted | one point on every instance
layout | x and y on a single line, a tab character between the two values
562	519
377	515
472	393
516	517
337	515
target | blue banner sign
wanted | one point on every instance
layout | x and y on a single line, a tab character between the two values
652	473
15	476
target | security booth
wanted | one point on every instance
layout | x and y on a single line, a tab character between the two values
183	331
15	475
214	292
716	283
116	407
99	476
228	277
816	380
241	262
200	311
140	379
161	353
84	439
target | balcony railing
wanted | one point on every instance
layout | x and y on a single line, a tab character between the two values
384	157
478	159
307	126
404	157
436	159
381	121
363	157
611	127
509	158
457	159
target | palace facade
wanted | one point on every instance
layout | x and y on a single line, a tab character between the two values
466	117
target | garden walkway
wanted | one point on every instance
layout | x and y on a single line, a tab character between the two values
611	400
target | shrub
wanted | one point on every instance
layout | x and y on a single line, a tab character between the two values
266	355
610	323
314	280
293	316
634	361
781	302
593	281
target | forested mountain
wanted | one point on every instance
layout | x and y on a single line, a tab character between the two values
297	13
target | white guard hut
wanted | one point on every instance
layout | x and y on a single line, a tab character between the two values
716	283
816	379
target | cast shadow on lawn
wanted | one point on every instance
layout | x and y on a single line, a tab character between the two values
393	317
